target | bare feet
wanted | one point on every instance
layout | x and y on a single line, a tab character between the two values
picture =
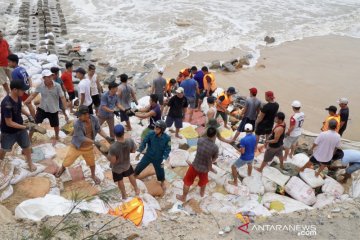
178	136
96	180
163	186
258	169
124	197
60	172
180	198
54	140
32	167
233	183
137	191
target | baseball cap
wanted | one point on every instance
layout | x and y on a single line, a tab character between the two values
231	90
331	109
248	127
180	90
343	100
296	104
270	94
161	70
82	110
253	91
113	84
119	129
46	73
19	84
81	70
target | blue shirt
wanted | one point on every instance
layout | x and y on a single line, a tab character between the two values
110	102
248	142
351	156
79	134
20	73
10	109
158	148
189	86
199	78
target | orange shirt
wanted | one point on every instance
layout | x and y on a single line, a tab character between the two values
326	123
67	79
212	82
225	101
4	53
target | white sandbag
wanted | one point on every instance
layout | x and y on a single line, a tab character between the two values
269	185
150	201
220	176
324	199
298	160
192	157
52	58
6	173
243	172
149	215
6	193
141	185
275	175
255	207
143	102
99	172
333	187
19	175
49	65
39	168
48	150
52	205
254	183
239	190
308	175
290	204
217	92
355	188
178	208
178	158
300	191
210	205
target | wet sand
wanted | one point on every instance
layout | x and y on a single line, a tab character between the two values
317	71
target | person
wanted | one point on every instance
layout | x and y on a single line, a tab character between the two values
170	87
95	87
351	159
108	104
119	157
66	77
158	147
20	73
275	142
153	112
158	87
183	72
247	150
211	112
344	114
190	90
208	82
265	120
324	148
55	71
50	92
193	71
295	129
178	105
223	102
82	143
206	154
13	129
84	89
249	112
125	94
332	115
214	124
199	78
4	70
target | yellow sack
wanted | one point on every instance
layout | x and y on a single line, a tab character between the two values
132	210
226	133
68	128
277	205
189	132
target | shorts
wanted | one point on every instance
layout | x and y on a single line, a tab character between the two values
263	130
91	111
119	176
191	174
290	141
41	115
315	161
352	168
110	121
192	102
9	139
123	116
24	97
96	100
243	122
203	94
270	153
239	162
160	98
73	153
222	114
3	75
71	95
170	120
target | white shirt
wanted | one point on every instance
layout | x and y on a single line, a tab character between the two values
93	86
84	87
326	143
298	120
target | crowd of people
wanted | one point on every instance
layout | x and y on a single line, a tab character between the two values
171	100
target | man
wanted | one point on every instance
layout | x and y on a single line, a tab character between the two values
125	94
153	112
119	157
181	76
20	73
344	114
223	102
206	154
295	129
351	159
158	87
50	92
211	111
84	89
332	115
324	148
275	142
190	90
178	105
265	120
66	77
4	71
57	79
247	150
199	78
193	71
109	103
170	87
212	123
250	112
95	87
82	142
12	128
158	147
208	82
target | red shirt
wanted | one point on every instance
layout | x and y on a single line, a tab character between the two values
67	79
4	53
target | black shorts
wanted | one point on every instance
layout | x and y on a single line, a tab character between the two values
123	116
160	98
71	95
118	177
262	130
41	115
223	115
315	161
96	100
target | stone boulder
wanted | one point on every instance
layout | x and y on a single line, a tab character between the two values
227	66
269	40
215	64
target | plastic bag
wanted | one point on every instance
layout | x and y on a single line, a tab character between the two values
6	193
291	205
239	190
254	183
333	187
308	175
300	191
178	158
324	199
269	185
275	175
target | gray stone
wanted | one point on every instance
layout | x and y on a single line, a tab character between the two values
110	79
111	69
215	64
228	67
76	63
68	46
269	40
149	65
243	62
